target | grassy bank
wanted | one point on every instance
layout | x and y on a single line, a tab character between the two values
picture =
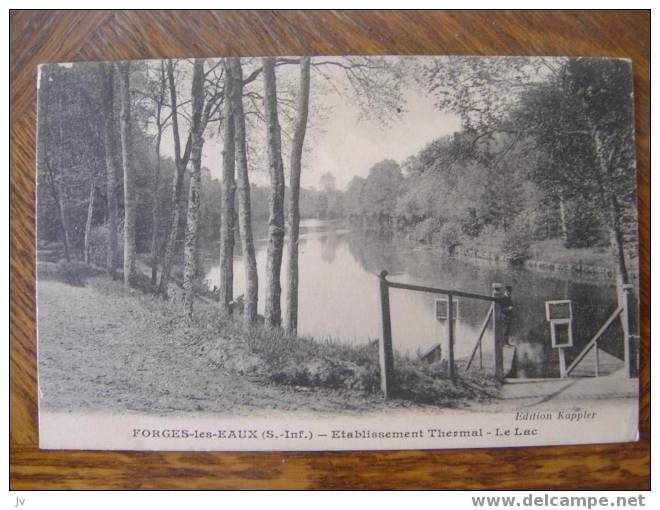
550	256
224	356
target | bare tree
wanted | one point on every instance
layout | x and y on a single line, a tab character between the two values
244	215
54	172
90	216
61	185
181	162
228	190
273	309
130	203
110	167
291	322
374	84
56	191
190	248
159	101
49	137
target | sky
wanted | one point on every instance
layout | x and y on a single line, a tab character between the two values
350	146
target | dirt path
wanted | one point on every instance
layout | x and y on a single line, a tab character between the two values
101	351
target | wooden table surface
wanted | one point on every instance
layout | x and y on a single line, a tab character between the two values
39	37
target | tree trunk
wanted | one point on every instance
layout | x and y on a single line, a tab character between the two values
58	206
244	215
192	221
565	230
130	204
181	161
612	214
273	308
177	205
62	208
88	223
160	99
110	168
154	210
291	323
228	214
59	183
192	224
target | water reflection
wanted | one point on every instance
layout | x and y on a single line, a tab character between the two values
338	297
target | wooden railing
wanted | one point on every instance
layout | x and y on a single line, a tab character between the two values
593	344
477	345
627	313
386	354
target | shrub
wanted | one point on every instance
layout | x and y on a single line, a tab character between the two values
424	230
450	236
472	225
50	252
518	240
98	246
70	272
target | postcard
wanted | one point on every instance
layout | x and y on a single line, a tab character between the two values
337	253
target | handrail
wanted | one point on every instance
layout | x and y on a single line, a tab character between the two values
499	299
480	337
593	340
434	290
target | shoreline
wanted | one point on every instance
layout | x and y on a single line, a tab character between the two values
583	268
541	265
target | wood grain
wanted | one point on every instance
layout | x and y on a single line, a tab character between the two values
52	36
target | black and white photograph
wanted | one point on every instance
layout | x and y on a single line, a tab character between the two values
337	253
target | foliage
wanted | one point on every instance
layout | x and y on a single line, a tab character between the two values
373	199
549	158
353	200
480	90
328	182
450	236
98	247
72	273
581	122
425	229
312	362
518	240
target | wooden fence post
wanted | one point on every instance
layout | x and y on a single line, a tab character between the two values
386	355
630	332
562	362
498	331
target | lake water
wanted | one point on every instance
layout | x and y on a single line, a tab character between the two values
339	297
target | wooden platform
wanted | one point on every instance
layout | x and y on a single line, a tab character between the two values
607	363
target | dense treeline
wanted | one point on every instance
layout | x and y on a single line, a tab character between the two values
112	197
557	165
75	162
434	201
